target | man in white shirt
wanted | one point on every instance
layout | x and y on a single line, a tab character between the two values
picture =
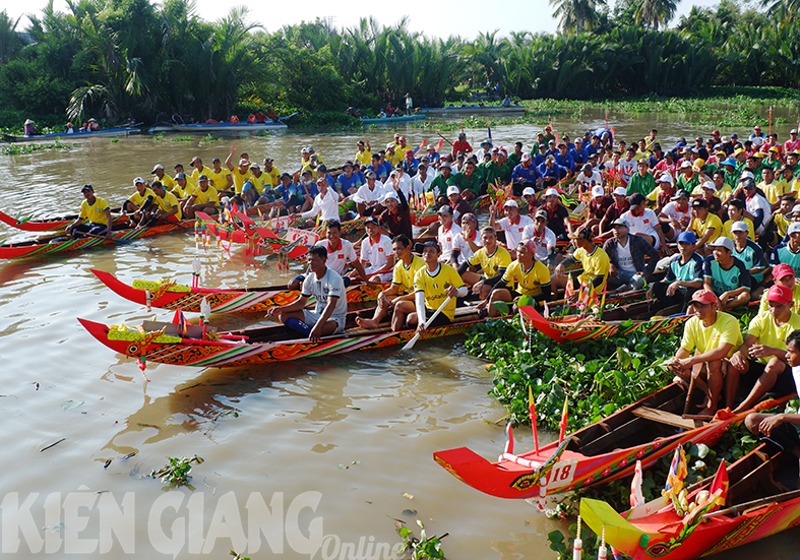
421	182
446	236
340	251
468	239
377	256
368	197
542	236
677	213
325	203
758	208
513	224
402	178
643	221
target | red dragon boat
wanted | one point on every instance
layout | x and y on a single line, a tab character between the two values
167	294
29	223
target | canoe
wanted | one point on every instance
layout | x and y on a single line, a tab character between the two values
164	343
53	245
166	294
472	110
223	127
117	132
578	329
49	224
647	430
393	120
761	499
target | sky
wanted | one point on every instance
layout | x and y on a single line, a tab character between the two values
467	18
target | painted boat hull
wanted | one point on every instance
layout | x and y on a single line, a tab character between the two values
654	530
510	479
46	248
251	300
394	120
471	110
118	132
226	128
577	329
227	353
49	224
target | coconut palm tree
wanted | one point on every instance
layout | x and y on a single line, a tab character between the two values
575	16
654	13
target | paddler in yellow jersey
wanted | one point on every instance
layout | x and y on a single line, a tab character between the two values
364	153
220	177
166	180
272	173
241	173
258	184
199	169
595	262
432	284
526	280
203	198
402	287
168	208
182	189
140	201
486	267
94	217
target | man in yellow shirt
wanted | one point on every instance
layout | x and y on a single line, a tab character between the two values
736	214
709	339
182	189
491	260
219	177
140	202
165	179
272	173
204	198
199	169
433	283
94	217
241	174
364	153
759	364
705	225
524	280
168	208
402	288
595	262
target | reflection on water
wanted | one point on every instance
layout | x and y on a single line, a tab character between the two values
360	429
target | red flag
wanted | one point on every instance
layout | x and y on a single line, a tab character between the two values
532	413
180	319
564	421
720	484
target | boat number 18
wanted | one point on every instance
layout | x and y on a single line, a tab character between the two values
562	474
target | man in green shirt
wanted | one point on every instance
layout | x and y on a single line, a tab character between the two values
642	182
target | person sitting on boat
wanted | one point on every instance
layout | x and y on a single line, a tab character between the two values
181	188
633	259
364	154
676	215
788	252
396	219
421	184
369	196
461	146
94	216
348	182
614	212
557	214
241	173
380	167
166	180
340	251
93	125
751	255
598	206
167	208
446	235
759	365
524	175
736	214
69	128
526	281
783	274
326	203
513	224
643	222
29	128
705	225
399	180
290	193
140	201
726	275
402	288
442	181
327	288
543	238
254	189
432	284
204	198
710	338
485	268
200	169
594	261
684	274
219	177
377	256
467	241
457	202
775	426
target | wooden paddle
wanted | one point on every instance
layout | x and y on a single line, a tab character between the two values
410	344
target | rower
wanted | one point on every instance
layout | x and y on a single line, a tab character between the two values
402	288
219	177
200	169
165	179
524	280
513	224
368	197
627	253
326	203
432	284
684	274
396	219
543	238
774	426
492	260
167	207
594	260
783	274
709	339
377	255
95	215
203	198
726	275
327	288
340	253
241	173
140	201
759	363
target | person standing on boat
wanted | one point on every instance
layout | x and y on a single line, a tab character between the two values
710	338
461	146
409	104
402	288
30	128
432	284
759	365
94	217
328	289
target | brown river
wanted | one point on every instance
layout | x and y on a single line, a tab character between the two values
309	459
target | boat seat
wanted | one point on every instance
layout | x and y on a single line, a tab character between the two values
664	417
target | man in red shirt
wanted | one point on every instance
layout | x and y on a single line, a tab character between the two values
461	146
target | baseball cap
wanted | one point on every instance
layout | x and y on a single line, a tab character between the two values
793	228
444	165
739	226
685	164
157	167
445	210
620	222
710	186
452	189
180	176
780	294
665	178
138	180
620	191
551	192
203	178
510	203
746	175
87	188
583	233
699	203
194	159
389	195
541	214
680	194
255	166
526	157
687	237
597	190
724	242
369	174
528	191
782	270
705	296
796	209
371	220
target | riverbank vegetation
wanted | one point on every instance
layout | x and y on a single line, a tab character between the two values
115	59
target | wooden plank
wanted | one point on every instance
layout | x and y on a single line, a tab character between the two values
663	417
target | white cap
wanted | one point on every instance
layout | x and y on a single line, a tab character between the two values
795	208
389	195
620	191
157	167
528	191
389	145
452	189
138	180
551	192
685	164
740	226
793	228
726	242
746	175
665	178
511	202
597	190
710	186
